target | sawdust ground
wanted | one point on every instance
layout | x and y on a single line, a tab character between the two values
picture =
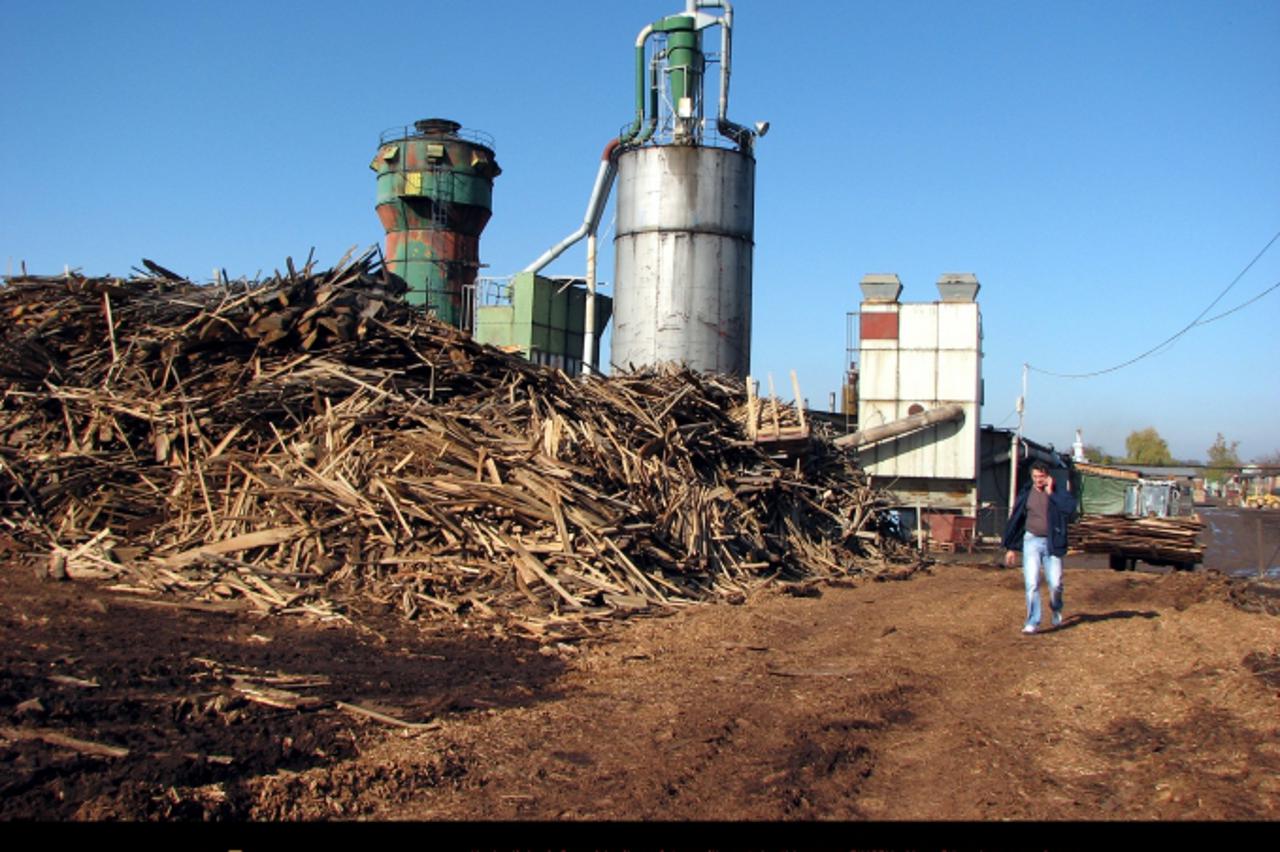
910	700
918	699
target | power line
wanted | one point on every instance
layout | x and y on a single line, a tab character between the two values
1239	306
1197	321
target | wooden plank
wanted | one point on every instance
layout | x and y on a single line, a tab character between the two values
57	738
377	716
795	388
535	565
235	544
773	408
274	696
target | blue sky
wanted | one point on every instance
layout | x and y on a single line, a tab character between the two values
1106	169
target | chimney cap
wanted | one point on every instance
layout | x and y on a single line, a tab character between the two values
881	287
958	286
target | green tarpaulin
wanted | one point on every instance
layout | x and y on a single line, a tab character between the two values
1102	495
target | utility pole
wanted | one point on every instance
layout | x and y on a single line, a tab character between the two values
1015	451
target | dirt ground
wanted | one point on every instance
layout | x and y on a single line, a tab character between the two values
1158	698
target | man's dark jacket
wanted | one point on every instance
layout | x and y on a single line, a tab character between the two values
1062	503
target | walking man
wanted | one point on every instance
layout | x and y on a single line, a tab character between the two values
1038	527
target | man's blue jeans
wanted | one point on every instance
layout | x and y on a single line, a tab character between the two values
1035	553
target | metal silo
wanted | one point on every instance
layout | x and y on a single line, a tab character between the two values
435	196
682	258
686	209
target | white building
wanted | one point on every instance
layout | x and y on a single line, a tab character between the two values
916	358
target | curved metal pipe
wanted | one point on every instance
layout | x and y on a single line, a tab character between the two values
726	128
652	123
595	208
599	199
631	131
906	425
726	48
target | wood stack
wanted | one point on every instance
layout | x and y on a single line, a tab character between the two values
786	431
1172	540
310	438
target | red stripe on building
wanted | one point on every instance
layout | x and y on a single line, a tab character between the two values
878	326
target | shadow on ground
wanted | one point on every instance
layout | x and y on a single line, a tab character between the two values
106	705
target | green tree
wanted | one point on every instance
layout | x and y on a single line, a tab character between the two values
1097	455
1145	446
1223	458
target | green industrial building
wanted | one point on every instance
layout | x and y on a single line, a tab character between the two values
543	319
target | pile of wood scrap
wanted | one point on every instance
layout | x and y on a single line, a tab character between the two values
304	439
1167	539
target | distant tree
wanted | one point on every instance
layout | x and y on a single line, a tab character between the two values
1145	446
1222	459
1271	459
1097	455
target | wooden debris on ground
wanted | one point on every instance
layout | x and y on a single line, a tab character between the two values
308	439
1172	539
61	740
377	716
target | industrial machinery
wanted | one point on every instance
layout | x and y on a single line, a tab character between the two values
543	319
686	206
920	392
435	196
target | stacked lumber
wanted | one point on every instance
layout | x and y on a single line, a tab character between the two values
1166	539
310	439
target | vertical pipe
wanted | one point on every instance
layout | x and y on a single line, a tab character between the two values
726	60
974	507
640	111
595	208
1017	442
589	314
1262	565
652	123
724	126
1013	471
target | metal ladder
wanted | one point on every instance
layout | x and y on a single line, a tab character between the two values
442	196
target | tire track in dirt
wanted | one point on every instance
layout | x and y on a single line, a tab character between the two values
919	700
687	718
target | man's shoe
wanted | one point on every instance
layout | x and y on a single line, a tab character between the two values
1029	628
1057	619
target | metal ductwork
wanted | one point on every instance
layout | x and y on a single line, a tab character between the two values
595	208
905	426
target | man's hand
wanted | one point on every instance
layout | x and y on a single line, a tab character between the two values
1048	485
1011	558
